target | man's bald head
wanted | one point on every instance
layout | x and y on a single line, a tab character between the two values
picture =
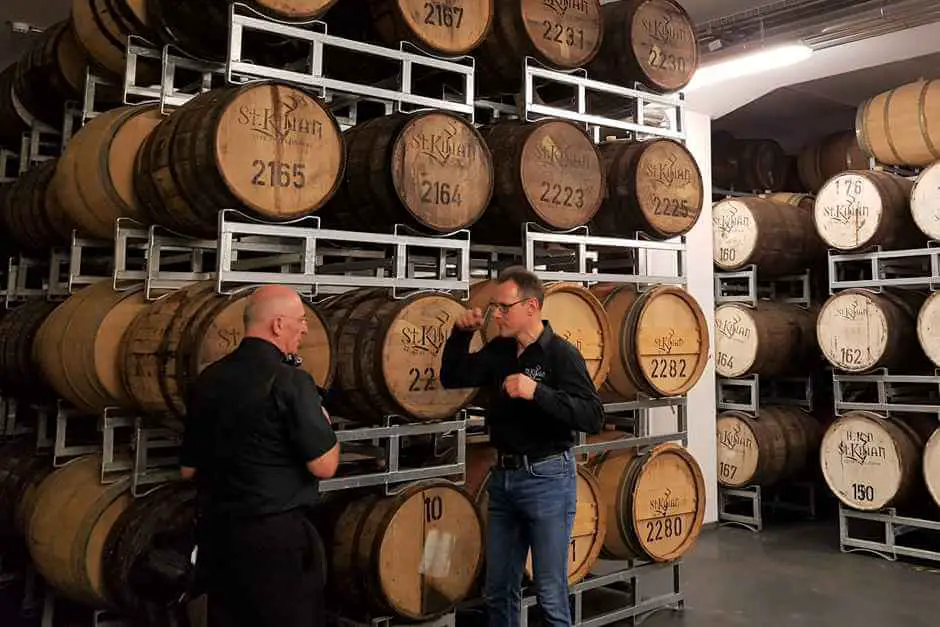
276	313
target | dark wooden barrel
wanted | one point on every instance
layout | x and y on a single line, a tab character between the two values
660	341
389	356
652	42
430	169
804	201
779	238
725	166
148	551
858	209
201	28
900	126
94	179
548	172
763	165
833	154
861	330
12	124
778	445
21	471
771	340
654	187
78	344
31	215
18	329
562	35
655	502
73	516
103	26
175	338
266	148
434	520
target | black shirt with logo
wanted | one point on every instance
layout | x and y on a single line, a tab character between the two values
565	401
253	422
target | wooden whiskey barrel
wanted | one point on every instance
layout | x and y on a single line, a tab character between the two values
860	330
389	356
932	466
18	329
548	172
781	443
855	210
103	26
174	338
803	201
655	502
73	516
925	202
12	124
778	238
94	179
772	340
833	154
77	346
430	169
434	524
154	534
652	186
928	328
902	126
21	468
725	166
870	462
659	341
564	35
31	212
652	42
265	148
763	165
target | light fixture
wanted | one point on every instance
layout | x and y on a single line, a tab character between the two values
749	64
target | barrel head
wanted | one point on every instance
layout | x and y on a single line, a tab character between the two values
852	331
565	33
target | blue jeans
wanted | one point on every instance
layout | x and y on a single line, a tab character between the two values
530	507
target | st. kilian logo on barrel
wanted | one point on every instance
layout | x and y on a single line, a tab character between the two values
286	121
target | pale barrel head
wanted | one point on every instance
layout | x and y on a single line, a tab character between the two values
671	341
738	451
852	331
928	328
925	201
932	466
735	340
848	211
861	462
734	234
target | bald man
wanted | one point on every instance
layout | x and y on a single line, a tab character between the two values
257	442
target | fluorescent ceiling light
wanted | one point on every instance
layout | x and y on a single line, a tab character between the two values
748	64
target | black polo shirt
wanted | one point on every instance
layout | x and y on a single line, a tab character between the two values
253	422
565	401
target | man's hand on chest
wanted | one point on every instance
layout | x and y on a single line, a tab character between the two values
520	386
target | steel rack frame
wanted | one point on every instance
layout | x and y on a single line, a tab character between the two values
9	165
894	527
155	451
23	274
893	392
447	620
15	426
636	416
242	18
754	496
746	287
747	393
911	269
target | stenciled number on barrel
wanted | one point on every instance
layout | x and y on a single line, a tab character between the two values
280	174
574	555
852	186
663	528
852	356
433	508
671	207
427	379
727	471
726	360
863	492
727	254
668	368
563	196
440	14
563	35
660	60
440	193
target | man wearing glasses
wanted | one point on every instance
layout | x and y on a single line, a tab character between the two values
541	394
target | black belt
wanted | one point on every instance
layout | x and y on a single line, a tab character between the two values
515	461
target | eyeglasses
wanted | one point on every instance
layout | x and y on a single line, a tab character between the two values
505	307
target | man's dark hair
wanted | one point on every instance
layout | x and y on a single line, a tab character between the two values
529	285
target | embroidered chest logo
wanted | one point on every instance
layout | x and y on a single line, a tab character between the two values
536	373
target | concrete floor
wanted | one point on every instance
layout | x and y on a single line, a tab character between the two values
795	575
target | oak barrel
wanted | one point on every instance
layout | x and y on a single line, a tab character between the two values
870	462
73	515
858	209
771	340
415	555
31	213
763	165
833	154
102	27
652	42
77	346
860	330
389	356
778	238
265	148
655	502
803	201
779	444
902	126
574	314
925	202
725	166
18	329
94	179
928	328
430	169
652	186
147	552
21	470
563	35
12	124
174	338
932	466
659	341
548	172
